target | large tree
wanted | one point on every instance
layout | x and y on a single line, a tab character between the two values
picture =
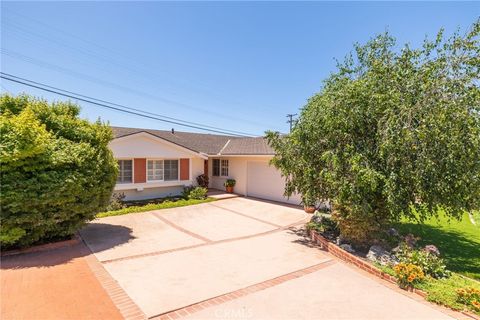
392	129
56	170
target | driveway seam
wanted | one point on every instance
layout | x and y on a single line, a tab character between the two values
173	225
156	253
204	304
247	216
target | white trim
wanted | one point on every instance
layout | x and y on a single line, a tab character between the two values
242	156
226	144
163	160
158	139
133	171
132	186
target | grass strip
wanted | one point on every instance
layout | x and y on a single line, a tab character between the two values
154	206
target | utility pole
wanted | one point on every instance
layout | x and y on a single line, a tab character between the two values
290	120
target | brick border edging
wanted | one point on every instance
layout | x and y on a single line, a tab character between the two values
43	247
122	301
198	306
362	264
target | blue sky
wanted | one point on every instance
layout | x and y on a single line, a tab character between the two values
238	66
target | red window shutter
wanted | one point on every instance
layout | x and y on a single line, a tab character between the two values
184	169
139	170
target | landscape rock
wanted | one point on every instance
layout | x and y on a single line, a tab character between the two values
380	255
347	248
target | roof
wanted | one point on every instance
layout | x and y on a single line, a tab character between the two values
211	144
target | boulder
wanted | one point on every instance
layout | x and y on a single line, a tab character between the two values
347	248
380	255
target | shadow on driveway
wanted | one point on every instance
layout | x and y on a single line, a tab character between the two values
116	235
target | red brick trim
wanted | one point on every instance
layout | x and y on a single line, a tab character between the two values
247	216
184	169
156	253
173	225
185	311
364	265
139	170
43	247
126	306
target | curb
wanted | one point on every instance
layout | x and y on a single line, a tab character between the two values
43	247
362	264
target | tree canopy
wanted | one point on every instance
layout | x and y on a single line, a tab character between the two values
392	129
56	170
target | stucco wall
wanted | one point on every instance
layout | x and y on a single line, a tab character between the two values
150	193
149	147
238	170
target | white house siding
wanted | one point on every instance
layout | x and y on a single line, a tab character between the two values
151	193
144	145
254	173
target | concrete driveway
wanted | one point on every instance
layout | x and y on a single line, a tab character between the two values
237	258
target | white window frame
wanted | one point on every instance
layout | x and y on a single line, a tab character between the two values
133	170
221	167
224	165
163	170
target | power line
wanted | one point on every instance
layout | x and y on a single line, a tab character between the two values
123	106
122	88
104	105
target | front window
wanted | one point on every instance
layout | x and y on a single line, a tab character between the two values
162	170
171	169
155	170
216	167
125	171
220	168
224	168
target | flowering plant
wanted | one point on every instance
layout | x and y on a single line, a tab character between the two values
408	275
469	297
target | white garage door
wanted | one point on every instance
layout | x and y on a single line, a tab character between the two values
264	181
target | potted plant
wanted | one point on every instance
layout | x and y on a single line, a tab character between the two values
229	184
308	203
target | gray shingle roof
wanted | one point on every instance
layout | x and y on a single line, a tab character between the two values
241	146
211	144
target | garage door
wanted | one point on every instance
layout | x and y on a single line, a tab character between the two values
264	181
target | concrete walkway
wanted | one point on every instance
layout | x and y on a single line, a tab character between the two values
238	258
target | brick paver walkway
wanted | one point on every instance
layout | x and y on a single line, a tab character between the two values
55	284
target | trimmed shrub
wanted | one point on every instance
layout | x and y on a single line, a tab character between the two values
116	202
56	170
197	193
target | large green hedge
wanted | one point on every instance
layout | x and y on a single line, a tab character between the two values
56	171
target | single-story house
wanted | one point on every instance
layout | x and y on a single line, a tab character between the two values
159	163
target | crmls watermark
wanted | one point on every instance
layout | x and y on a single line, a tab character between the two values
230	313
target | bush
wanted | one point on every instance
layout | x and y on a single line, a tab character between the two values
202	180
323	224
430	264
408	275
116	202
197	193
56	170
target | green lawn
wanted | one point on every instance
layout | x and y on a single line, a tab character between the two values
458	241
154	206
